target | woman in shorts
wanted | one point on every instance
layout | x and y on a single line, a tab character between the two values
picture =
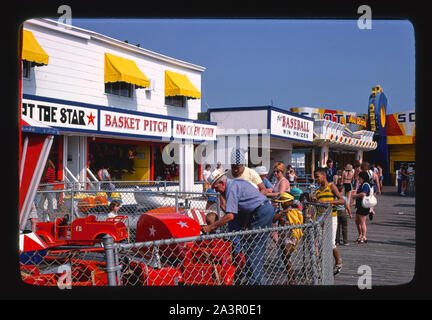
347	180
362	213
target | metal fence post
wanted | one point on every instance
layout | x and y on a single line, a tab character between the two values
313	255
111	269
72	203
327	249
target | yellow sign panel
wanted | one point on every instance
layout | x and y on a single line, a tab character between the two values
372	116
383	116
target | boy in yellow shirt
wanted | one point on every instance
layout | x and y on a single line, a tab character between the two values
288	239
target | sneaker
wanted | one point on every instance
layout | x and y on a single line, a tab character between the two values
337	269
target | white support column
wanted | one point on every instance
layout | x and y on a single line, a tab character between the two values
186	166
324	155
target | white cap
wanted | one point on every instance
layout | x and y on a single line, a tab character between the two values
261	170
214	176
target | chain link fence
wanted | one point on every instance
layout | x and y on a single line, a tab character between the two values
285	255
78	201
288	255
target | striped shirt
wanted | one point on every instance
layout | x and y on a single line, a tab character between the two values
50	176
326	195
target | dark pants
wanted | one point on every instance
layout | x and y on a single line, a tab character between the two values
399	185
342	226
254	246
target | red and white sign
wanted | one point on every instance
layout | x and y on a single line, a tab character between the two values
194	131
292	127
30	242
127	123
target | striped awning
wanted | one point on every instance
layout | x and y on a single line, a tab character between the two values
30	125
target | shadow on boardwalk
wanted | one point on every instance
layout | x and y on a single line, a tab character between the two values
390	250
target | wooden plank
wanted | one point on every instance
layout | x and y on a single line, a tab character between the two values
390	251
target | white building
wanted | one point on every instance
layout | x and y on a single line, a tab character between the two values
108	97
266	132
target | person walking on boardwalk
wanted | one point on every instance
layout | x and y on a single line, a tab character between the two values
328	193
343	211
380	176
347	179
373	182
404	177
363	190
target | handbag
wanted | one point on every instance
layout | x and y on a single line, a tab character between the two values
370	200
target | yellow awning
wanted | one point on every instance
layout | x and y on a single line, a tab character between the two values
118	69
177	84
32	51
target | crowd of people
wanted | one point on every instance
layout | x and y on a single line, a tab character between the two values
255	198
259	198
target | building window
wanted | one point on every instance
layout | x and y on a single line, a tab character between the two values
123	89
26	69
175	101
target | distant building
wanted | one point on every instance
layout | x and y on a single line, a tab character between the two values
401	140
338	135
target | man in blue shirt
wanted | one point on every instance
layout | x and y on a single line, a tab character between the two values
330	170
245	208
263	172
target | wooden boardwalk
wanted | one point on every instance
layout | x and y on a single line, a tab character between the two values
391	246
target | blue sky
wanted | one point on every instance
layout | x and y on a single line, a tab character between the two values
317	63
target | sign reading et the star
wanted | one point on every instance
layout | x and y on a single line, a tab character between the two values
60	115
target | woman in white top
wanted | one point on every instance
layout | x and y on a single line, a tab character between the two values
291	175
206	174
281	185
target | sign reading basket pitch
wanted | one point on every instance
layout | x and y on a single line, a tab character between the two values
291	127
126	123
60	115
101	121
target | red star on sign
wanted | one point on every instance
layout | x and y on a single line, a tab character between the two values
91	117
